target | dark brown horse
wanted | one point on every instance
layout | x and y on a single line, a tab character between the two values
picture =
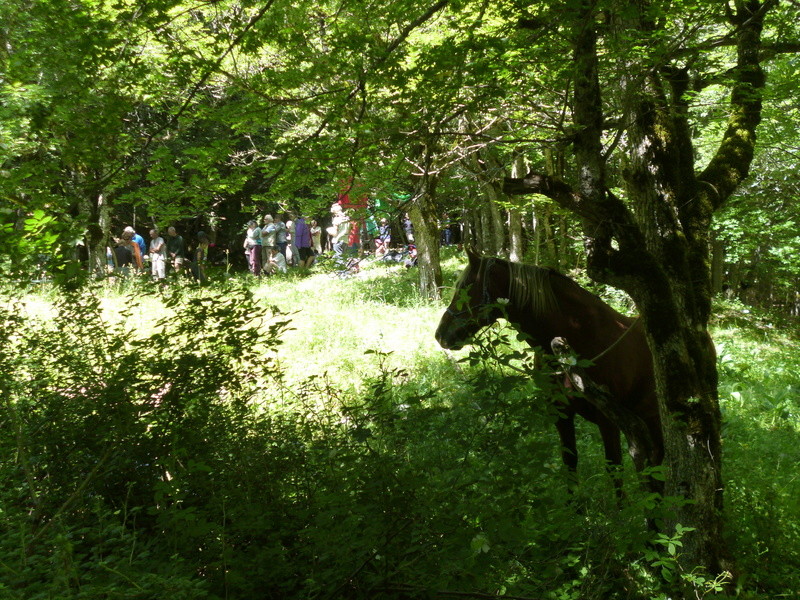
546	305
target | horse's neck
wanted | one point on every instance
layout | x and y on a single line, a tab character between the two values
540	329
579	316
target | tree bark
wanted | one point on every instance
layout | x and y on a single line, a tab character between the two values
655	245
424	217
717	265
491	225
515	239
96	209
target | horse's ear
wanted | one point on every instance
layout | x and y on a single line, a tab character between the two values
473	256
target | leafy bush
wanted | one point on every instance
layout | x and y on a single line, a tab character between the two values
102	422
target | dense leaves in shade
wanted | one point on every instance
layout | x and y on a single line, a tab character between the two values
172	111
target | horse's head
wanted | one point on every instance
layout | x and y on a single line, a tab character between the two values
472	305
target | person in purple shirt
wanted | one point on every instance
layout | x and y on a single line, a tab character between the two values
302	240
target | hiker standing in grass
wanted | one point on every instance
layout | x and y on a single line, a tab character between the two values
136	251
280	235
200	257
268	232
252	247
175	250
316	237
301	242
158	256
292	258
139	241
340	227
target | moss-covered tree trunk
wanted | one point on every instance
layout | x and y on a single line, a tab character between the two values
426	236
654	242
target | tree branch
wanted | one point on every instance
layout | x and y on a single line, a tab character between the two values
731	164
545	185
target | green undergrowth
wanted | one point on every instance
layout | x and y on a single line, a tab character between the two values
759	368
305	437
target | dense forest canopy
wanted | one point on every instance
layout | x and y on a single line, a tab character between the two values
171	110
650	145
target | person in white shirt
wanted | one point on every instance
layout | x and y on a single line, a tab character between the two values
316	237
268	242
252	247
276	264
158	255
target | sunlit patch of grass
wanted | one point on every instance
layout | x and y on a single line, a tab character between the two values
335	321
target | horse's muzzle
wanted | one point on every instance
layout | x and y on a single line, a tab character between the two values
448	341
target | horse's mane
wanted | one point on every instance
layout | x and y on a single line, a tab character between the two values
531	286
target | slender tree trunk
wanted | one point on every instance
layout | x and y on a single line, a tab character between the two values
515	239
717	265
498	228
491	225
557	247
497	241
516	217
96	210
424	217
551	257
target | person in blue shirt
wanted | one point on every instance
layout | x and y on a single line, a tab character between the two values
138	240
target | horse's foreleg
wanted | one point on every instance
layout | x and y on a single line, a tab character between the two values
569	449
613	451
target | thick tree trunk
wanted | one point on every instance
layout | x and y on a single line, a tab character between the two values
686	383
674	299
655	244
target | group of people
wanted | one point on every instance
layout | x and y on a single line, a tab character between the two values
163	255
270	247
275	245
